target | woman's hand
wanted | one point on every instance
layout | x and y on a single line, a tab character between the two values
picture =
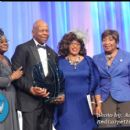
16	74
98	110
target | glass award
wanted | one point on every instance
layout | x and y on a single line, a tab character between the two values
53	82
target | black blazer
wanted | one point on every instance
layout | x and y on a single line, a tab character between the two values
26	55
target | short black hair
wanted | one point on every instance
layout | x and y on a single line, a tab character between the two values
1	32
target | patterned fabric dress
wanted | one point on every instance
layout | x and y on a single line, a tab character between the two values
11	122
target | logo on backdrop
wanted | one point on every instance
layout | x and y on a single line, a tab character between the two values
4	107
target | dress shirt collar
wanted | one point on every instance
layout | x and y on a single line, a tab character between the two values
36	43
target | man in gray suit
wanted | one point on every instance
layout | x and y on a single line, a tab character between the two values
36	114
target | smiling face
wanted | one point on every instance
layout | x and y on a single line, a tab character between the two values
40	31
74	48
109	44
3	44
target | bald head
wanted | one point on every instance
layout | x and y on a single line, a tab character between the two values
38	23
40	31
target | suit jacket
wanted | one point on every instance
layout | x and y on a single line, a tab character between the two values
114	81
26	55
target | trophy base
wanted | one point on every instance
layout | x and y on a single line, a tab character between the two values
52	99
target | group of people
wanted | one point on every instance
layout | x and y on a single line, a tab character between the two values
105	77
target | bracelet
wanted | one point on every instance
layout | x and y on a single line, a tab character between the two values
99	102
93	102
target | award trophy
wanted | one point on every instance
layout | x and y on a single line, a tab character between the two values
53	82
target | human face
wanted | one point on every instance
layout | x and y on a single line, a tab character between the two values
3	45
41	32
74	48
109	44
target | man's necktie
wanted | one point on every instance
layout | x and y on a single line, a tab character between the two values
41	46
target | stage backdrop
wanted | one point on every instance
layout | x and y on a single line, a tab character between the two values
92	18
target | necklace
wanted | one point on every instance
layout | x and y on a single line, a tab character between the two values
73	62
109	57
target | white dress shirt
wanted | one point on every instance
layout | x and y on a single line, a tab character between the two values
43	57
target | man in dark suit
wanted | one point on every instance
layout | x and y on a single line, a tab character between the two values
36	114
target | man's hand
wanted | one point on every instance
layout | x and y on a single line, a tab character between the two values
38	91
59	100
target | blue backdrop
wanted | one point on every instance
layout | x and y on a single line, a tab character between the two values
17	18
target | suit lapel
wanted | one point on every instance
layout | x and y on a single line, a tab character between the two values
118	59
103	63
103	60
34	51
49	54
